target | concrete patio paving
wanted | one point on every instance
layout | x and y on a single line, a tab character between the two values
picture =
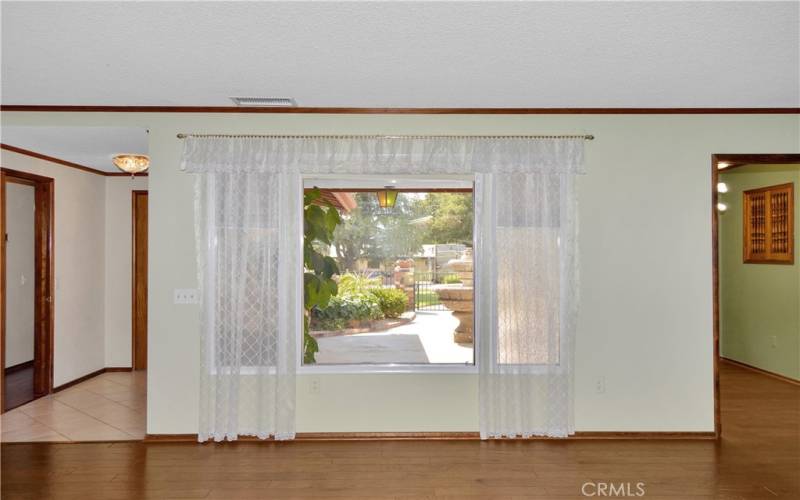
426	340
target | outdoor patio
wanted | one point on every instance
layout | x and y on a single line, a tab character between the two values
426	340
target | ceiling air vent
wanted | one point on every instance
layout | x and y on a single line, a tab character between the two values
280	102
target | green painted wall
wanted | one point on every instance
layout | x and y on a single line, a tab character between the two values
759	303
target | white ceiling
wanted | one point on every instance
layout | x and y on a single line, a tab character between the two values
88	146
448	54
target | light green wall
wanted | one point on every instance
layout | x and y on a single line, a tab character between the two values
645	325
759	303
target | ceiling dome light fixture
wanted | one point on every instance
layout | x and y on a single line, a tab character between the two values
132	164
387	197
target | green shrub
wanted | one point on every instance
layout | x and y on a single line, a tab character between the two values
346	307
352	283
426	297
329	324
391	301
451	279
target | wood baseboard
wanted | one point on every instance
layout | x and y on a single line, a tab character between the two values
774	375
78	380
393	111
19	367
441	436
91	375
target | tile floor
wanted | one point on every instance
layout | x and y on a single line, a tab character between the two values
109	407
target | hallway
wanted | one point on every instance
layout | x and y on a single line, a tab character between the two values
108	407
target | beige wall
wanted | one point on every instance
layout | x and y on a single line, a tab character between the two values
92	266
645	248
79	271
118	285
20	228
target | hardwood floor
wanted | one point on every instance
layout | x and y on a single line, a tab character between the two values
19	387
757	458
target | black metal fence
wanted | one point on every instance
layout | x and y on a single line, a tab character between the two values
425	296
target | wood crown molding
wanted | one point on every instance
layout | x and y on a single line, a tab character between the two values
66	163
393	111
739	160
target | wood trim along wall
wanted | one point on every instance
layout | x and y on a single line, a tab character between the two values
93	374
393	111
2	290
44	305
18	367
778	376
139	263
78	380
738	160
733	161
438	436
66	163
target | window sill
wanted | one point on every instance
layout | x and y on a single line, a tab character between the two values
386	369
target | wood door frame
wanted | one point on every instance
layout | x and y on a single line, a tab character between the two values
44	305
134	276
732	161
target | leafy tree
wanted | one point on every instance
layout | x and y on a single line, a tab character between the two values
370	232
319	224
451	217
354	238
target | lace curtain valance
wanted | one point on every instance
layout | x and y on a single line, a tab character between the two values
382	155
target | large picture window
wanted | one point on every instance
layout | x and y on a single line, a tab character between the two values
403	249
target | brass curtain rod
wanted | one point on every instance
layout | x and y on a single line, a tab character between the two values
587	137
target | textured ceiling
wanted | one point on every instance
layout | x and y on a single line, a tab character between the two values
88	146
489	54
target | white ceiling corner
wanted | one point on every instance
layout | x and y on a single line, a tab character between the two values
88	146
404	54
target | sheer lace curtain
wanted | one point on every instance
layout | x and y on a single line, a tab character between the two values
249	272
248	227
527	292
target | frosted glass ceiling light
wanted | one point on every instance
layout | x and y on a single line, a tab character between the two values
722	187
722	207
132	164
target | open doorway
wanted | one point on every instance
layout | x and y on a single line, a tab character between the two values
92	378
756	282
26	329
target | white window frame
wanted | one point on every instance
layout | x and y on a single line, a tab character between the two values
377	182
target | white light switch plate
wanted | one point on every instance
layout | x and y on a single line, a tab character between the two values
187	296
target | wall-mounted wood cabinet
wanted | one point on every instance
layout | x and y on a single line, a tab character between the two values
769	225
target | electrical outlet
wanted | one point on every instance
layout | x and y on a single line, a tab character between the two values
600	385
773	340
314	386
186	296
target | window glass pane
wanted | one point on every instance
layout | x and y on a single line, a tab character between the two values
405	280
